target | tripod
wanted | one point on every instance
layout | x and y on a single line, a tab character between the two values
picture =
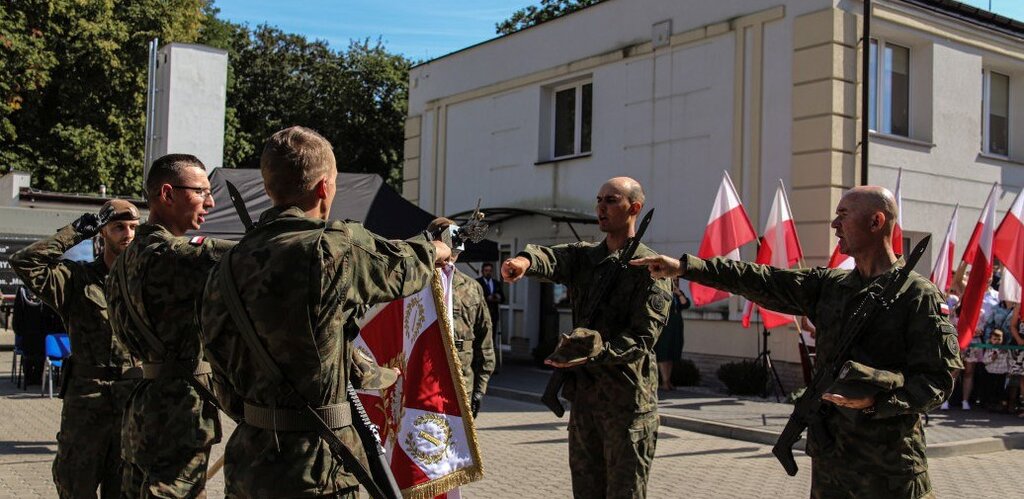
764	358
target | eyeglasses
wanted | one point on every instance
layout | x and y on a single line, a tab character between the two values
204	192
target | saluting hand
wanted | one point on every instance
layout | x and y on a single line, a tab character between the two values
513	269
660	266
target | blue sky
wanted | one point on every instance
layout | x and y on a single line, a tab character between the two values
419	29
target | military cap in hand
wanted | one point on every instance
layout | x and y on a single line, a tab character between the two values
577	347
858	381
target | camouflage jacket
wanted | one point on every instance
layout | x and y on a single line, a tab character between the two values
75	291
300	280
473	328
912	338
166	418
624	376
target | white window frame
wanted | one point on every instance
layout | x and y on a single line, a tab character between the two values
880	44
578	122
986	114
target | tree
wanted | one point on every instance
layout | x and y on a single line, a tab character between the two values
72	87
534	15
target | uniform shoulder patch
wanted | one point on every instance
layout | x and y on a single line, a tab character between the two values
197	240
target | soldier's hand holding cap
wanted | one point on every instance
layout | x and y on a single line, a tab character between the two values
660	266
576	348
513	269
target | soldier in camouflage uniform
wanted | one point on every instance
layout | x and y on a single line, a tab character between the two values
881	452
300	279
170	423
97	379
472	325
614	420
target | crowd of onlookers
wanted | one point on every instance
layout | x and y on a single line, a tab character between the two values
993	375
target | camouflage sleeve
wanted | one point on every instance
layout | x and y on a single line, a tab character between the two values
650	313
932	354
483	342
788	291
42	268
552	263
384	270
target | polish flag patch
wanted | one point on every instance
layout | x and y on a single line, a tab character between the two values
197	240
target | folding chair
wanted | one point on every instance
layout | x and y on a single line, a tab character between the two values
58	348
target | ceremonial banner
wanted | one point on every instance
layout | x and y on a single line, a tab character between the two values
942	272
424	418
728	228
979	254
780	247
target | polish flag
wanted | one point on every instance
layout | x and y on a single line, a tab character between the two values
780	247
942	272
840	260
728	229
424	418
1008	247
897	230
980	252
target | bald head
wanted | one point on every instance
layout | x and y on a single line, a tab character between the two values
867	200
629	187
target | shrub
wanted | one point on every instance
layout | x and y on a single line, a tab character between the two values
685	373
746	377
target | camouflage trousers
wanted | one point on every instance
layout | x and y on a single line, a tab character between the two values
832	479
610	453
183	479
89	440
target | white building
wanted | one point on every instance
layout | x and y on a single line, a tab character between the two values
673	92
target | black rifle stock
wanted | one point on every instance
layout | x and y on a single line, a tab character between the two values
810	410
604	287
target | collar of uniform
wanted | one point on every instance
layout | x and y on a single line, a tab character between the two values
599	252
853	279
150	228
280	212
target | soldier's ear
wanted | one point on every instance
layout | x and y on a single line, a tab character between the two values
321	189
634	208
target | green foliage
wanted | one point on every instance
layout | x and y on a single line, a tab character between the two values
73	83
746	377
534	15
685	373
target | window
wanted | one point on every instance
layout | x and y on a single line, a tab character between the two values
889	111
573	111
996	113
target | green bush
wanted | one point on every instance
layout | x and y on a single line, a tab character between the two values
685	373
743	378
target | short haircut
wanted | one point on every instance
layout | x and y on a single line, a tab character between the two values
635	192
485	265
438	224
873	199
169	169
293	161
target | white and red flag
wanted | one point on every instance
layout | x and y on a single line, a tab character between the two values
1008	247
978	253
840	260
780	247
897	230
942	272
728	228
424	417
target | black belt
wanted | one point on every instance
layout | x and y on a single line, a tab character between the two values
105	373
284	419
154	370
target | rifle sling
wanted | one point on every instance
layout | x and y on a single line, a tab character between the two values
266	361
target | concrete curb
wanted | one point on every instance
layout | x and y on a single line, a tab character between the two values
767	437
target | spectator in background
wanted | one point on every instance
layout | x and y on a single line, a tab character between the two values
32	320
972	356
997	364
492	292
1016	363
669	347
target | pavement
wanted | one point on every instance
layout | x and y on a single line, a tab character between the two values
757	420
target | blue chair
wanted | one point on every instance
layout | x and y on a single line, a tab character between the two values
58	348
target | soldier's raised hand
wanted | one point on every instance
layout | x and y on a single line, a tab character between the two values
513	269
660	266
87	225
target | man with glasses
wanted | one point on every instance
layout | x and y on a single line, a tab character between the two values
97	379
153	288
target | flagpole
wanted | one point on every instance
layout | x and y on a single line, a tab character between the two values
865	92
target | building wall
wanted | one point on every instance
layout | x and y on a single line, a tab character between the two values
766	90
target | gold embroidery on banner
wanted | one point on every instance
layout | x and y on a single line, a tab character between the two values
436	431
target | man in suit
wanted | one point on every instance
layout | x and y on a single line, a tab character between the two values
492	292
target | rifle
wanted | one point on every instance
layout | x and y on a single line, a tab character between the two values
604	287
378	479
809	410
